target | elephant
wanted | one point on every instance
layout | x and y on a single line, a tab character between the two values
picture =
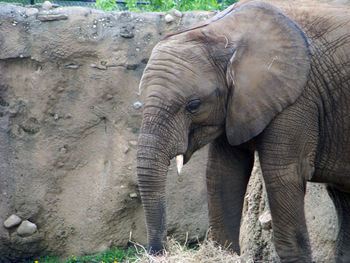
261	76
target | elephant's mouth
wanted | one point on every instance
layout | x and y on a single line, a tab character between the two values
198	137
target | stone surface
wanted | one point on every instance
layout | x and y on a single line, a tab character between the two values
137	105
169	18
26	228
68	132
32	11
47	5
265	220
176	13
12	221
133	195
45	17
68	128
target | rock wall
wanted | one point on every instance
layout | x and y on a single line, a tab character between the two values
69	119
70	115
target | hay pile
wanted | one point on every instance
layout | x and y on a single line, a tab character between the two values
207	252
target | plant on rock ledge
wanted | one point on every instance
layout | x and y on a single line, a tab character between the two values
163	5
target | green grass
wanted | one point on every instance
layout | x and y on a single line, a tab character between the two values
164	5
110	256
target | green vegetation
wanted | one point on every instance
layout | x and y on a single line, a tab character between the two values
207	251
164	5
110	256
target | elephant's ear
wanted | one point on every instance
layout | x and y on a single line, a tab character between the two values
268	70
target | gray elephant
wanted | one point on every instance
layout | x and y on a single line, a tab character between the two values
267	77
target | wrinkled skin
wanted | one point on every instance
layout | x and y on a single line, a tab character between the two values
253	78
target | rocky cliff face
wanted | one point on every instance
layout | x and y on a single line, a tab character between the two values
70	115
69	118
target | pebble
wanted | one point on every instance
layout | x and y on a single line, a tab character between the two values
137	105
32	11
177	13
102	67
265	220
52	17
133	195
133	143
109	96
72	66
60	89
47	5
131	66
60	164
63	150
126	150
27	228
169	18
12	221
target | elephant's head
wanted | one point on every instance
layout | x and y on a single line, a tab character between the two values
230	75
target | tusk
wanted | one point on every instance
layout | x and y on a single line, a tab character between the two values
179	163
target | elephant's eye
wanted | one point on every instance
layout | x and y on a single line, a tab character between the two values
193	106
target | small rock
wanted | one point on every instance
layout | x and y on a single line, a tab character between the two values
127	34
32	11
127	31
169	18
47	5
72	66
60	164
131	66
63	150
177	13
133	143
109	97
12	221
31	126
38	5
52	17
101	67
133	195
60	89
27	228
137	105
265	220
126	150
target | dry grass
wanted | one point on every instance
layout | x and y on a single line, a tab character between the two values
207	252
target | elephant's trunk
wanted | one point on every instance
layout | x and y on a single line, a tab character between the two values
152	168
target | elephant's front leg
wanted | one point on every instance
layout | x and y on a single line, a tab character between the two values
228	172
285	186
